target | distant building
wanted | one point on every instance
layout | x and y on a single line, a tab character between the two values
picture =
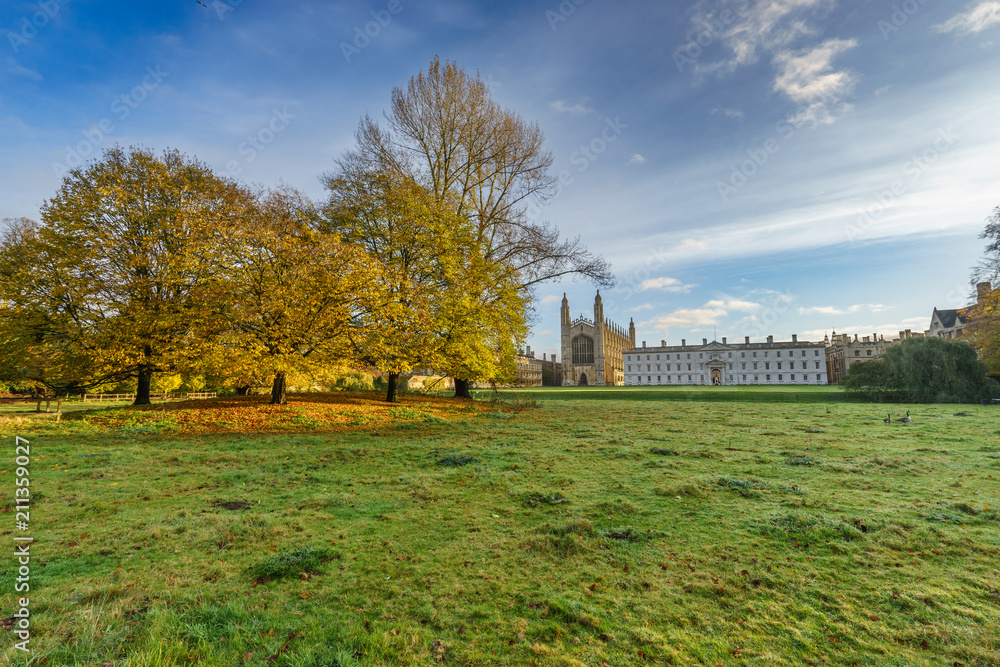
552	372
529	369
951	323
770	363
592	350
844	351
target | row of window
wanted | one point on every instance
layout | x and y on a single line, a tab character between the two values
767	366
743	355
701	379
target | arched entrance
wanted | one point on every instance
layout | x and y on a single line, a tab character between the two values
716	376
583	380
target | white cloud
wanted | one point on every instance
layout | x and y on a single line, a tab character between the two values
761	26
577	109
550	300
774	27
664	285
728	113
882	91
687	317
690	244
636	159
832	310
645	306
808	79
821	310
708	315
975	19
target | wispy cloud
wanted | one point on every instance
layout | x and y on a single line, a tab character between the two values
728	113
707	315
832	310
972	20
636	159
549	300
888	330
559	106
777	28
686	317
665	285
807	78
15	68
762	27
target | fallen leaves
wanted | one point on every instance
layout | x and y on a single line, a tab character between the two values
336	412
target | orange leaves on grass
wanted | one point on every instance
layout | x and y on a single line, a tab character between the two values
337	412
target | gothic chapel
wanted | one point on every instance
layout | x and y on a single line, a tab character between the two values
592	351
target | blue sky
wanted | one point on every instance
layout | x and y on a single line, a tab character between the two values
748	167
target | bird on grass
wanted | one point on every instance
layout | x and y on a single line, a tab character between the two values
887	420
906	419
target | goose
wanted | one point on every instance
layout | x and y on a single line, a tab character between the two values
906	419
887	420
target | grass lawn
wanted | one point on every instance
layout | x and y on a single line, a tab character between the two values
340	531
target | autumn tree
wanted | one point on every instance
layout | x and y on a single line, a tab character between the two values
109	286
413	245
487	166
983	331
288	292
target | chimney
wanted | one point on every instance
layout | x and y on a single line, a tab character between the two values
746	339
663	343
865	339
982	289
770	340
723	340
644	345
545	356
528	353
704	341
683	342
795	338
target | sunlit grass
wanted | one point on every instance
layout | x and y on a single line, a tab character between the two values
582	532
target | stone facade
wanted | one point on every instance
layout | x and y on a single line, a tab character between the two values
770	363
951	323
529	369
592	350
844	351
552	371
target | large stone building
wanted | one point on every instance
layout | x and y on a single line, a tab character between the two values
529	369
770	363
844	351
592	349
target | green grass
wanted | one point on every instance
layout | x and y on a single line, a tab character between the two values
584	532
698	394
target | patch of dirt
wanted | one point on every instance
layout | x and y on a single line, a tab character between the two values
232	505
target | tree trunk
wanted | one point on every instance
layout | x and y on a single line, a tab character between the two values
390	392
279	390
462	389
243	391
142	389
